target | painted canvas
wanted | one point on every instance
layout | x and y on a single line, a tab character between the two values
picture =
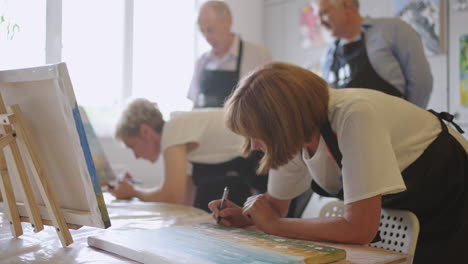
212	243
426	17
464	70
104	172
45	96
312	34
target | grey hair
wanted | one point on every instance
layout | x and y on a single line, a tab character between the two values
220	8
140	111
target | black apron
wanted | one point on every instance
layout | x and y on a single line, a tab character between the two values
351	68
238	174
217	85
437	184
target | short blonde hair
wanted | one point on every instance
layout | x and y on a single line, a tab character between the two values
282	105
140	111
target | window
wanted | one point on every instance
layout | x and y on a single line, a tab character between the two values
163	52
16	50
115	50
93	41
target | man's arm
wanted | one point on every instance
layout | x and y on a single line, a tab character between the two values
409	50
174	188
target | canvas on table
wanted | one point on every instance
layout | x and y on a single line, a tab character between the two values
212	243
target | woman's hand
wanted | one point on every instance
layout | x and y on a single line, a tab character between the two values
123	189
259	209
231	215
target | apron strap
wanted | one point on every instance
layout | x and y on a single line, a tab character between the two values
299	203
239	56
447	117
332	143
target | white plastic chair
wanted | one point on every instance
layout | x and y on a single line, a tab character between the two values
399	229
315	204
332	209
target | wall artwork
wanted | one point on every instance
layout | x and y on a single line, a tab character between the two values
464	70
312	34
460	5
427	18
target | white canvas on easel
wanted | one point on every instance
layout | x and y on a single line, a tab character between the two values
46	98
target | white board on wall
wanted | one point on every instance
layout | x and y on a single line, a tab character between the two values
458	27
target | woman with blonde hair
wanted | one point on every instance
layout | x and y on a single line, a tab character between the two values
200	137
370	149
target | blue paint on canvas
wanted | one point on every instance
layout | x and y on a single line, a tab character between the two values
86	150
211	243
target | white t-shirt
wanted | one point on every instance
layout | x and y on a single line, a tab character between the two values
252	56
378	136
206	127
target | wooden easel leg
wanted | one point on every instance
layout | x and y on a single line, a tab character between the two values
41	179
29	199
28	194
11	208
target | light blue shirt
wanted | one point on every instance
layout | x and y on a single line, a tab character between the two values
396	53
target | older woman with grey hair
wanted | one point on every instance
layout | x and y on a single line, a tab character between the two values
200	137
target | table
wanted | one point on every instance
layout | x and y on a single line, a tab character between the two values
45	247
358	254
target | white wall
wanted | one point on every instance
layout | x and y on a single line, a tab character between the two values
282	33
248	19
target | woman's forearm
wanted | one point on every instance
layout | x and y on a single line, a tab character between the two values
358	225
333	229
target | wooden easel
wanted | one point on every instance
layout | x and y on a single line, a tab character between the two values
16	135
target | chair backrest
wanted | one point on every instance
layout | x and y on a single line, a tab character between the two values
332	209
399	229
315	204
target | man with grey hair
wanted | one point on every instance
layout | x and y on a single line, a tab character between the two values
384	54
218	70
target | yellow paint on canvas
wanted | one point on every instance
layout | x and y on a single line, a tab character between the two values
464	92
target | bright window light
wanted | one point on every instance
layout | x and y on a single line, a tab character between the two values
115	50
163	50
96	52
16	50
93	38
